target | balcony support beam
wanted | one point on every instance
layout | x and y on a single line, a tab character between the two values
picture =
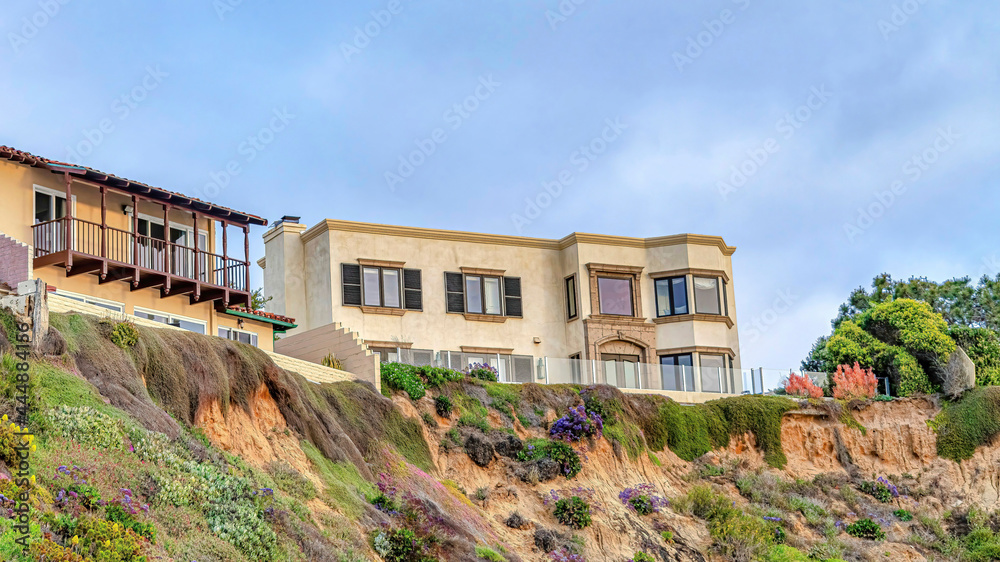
104	231
135	240
246	250
197	260
69	221
225	257
167	260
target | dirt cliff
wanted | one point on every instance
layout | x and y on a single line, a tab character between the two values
235	459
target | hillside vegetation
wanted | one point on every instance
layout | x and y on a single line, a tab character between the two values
167	445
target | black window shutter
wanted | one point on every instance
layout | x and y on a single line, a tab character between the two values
453	291
350	275
413	298
512	296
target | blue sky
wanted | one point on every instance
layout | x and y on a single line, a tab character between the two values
866	132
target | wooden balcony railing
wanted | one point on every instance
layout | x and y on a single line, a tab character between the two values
122	249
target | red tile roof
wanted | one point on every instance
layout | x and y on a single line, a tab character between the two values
263	314
125	184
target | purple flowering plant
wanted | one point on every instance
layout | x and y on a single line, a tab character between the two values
642	499
577	424
565	555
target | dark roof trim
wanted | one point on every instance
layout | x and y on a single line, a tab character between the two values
133	187
277	323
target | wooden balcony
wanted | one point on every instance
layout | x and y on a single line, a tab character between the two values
118	255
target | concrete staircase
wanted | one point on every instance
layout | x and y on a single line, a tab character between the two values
335	338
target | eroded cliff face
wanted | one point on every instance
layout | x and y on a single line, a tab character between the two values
897	441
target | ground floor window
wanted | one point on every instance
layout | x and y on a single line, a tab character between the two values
248	338
677	372
103	303
188	324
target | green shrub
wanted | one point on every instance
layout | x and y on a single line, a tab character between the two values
899	339
692	431
903	515
558	451
124	334
399	376
443	406
877	490
866	529
667	536
487	553
436	377
107	541
983	347
384	503
117	514
331	361
88	496
242	525
573	512
642	557
400	545
88	426
966	425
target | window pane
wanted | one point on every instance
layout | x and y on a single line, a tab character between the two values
571	296
371	283
224	333
706	295
43	207
662	287
390	287
712	373
615	296
491	286
474	295
190	326
243	337
680	294
60	207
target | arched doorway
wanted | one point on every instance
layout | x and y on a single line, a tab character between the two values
621	362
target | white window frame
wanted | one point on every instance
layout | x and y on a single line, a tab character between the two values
92	300
52	192
254	338
170	316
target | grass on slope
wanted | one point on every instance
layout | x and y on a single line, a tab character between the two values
965	425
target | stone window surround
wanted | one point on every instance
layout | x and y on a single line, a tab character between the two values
689	274
632	273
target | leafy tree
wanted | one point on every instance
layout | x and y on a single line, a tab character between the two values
257	299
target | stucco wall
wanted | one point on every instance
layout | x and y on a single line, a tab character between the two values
542	266
17	215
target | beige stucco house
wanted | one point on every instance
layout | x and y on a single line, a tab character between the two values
655	314
128	248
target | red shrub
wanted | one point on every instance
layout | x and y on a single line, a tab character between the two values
800	385
853	383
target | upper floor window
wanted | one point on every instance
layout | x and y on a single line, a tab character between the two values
483	294
49	205
110	305
706	295
615	296
571	302
671	296
381	287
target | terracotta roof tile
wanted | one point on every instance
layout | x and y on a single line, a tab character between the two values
20	156
263	314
